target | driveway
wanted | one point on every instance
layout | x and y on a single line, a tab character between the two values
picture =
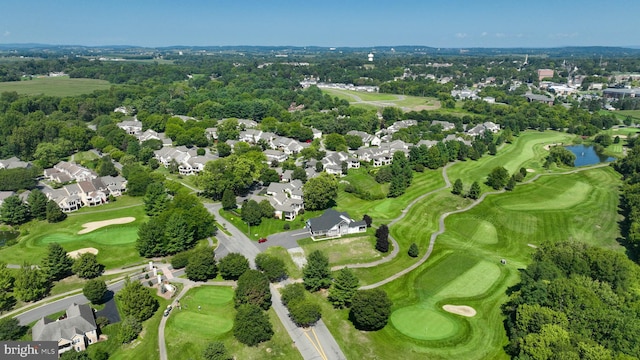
287	239
110	310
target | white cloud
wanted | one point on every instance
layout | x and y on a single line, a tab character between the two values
461	35
563	35
6	33
484	33
500	35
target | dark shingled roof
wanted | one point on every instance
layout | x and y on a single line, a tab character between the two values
330	218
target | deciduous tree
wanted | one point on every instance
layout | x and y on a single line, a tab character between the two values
457	187
31	284
201	265
273	267
233	266
229	200
95	290
216	351
251	325
498	177
320	192
253	288
155	199
370	309
54	213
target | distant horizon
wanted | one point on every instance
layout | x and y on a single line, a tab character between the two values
317	46
331	23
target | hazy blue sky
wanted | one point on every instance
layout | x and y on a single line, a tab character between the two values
442	23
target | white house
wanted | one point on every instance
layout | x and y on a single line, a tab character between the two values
74	332
335	224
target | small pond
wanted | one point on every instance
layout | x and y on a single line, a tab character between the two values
586	155
7	235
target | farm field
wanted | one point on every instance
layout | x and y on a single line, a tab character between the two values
190	329
115	243
55	86
380	100
465	267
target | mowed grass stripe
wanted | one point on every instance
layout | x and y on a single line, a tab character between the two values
474	282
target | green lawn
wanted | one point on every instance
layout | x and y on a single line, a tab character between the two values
635	114
115	243
189	330
362	180
346	250
55	86
380	100
281	253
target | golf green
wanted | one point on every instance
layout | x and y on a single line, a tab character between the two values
423	323
206	313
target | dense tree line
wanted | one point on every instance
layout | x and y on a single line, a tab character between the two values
629	167
175	225
575	302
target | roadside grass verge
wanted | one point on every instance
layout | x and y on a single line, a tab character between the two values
281	253
189	330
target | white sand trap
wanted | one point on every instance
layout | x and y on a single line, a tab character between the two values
530	170
76	254
463	310
94	225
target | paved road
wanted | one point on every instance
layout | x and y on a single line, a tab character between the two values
59	305
287	239
325	346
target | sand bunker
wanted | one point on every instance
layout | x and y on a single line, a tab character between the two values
548	146
463	310
94	225
76	254
530	170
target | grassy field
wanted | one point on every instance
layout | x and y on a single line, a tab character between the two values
281	253
380	100
190	329
465	268
362	180
55	86
347	250
115	243
635	114
389	208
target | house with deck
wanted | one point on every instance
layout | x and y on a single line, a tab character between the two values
75	331
335	224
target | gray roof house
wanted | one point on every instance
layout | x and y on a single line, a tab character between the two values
14	163
77	331
335	224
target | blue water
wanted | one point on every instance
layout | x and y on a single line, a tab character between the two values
7	235
586	155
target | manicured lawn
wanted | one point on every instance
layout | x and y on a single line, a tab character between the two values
115	243
350	250
189	330
526	151
382	211
635	114
55	86
465	269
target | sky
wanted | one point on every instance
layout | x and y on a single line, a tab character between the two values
329	23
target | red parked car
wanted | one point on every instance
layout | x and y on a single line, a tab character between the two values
262	240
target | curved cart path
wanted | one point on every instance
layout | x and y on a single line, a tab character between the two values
442	218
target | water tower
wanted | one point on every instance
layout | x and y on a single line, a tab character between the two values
370	56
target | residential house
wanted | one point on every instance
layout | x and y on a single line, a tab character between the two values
286	199
252	136
211	133
612	93
75	332
14	163
317	134
114	185
132	127
247	124
367	139
4	195
276	155
332	162
446	126
335	224
90	195
67	171
401	124
150	134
